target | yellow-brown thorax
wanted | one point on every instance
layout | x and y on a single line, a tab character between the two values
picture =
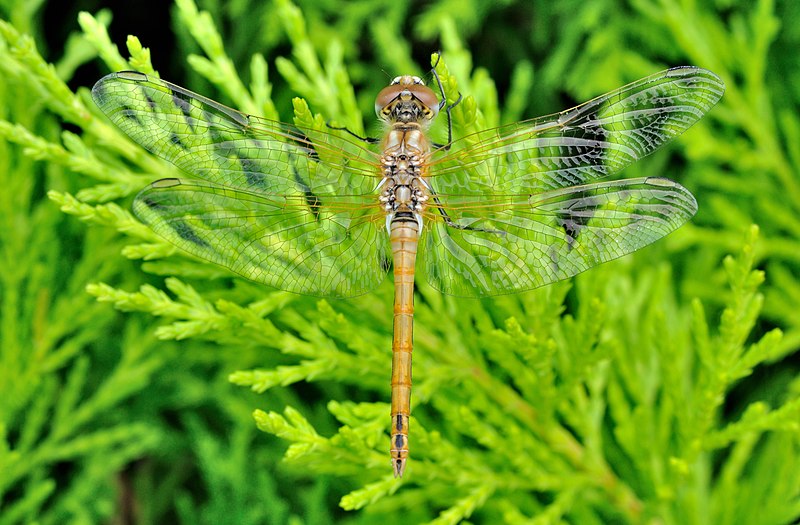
408	106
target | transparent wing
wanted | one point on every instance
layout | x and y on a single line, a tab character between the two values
331	247
290	207
517	207
223	146
580	145
514	243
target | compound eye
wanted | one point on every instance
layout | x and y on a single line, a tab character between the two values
395	80
427	97
387	96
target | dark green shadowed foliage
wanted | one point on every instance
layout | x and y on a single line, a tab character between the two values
658	388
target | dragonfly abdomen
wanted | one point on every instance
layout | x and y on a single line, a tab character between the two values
404	233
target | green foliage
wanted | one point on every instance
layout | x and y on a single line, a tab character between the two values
640	392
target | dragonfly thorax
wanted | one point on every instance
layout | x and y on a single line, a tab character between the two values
404	186
404	200
404	197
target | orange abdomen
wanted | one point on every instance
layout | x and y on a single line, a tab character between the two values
403	235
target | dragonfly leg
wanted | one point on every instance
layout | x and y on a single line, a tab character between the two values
443	103
368	140
446	146
447	218
452	224
439	80
450	121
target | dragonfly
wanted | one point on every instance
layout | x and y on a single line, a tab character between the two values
318	210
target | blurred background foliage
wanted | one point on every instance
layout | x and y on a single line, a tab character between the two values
661	388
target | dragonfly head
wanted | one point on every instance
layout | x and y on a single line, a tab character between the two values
407	99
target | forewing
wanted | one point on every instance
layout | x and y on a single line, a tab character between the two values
285	206
331	247
580	145
517	243
218	144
